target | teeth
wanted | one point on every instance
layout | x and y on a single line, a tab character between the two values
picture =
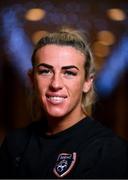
56	99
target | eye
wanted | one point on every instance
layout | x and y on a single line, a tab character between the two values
70	73
44	71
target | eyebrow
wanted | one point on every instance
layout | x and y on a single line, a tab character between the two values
51	67
44	65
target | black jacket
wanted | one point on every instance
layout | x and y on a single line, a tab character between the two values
85	150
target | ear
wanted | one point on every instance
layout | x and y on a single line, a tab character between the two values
87	85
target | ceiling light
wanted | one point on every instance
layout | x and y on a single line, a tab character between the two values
106	38
35	14
116	14
100	50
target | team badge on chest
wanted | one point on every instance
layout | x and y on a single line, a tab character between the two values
64	164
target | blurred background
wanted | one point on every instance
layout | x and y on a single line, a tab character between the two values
23	22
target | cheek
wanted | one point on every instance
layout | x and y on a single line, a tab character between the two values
76	87
40	86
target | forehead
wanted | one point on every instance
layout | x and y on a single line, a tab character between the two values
59	55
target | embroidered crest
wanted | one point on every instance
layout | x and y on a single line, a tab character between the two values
64	164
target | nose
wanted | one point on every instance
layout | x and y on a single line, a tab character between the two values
56	82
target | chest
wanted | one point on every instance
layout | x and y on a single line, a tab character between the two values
51	159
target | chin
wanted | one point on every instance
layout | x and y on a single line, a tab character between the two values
56	115
56	111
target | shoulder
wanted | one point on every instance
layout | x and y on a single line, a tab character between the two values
102	141
16	139
24	131
98	131
104	150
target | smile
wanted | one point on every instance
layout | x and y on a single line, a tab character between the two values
56	99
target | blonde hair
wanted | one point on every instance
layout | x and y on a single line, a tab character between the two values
78	40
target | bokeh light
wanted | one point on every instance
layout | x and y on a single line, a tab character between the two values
35	14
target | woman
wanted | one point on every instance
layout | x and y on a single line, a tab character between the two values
65	142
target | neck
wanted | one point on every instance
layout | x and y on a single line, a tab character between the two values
56	125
